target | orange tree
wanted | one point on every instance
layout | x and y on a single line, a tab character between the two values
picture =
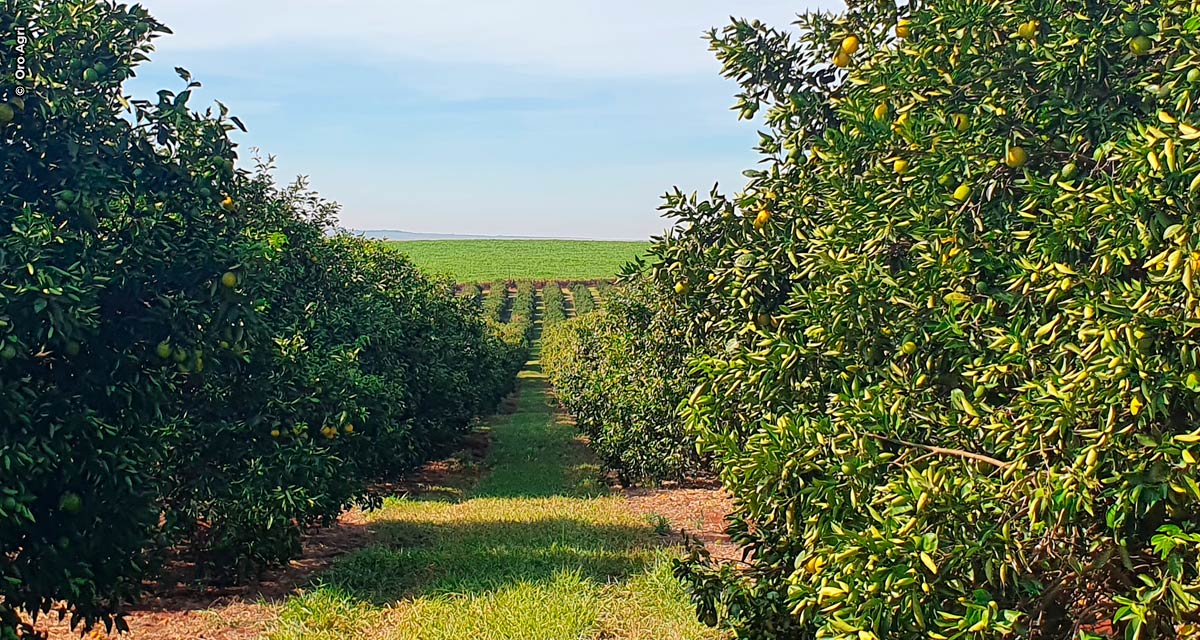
113	237
957	389
188	360
619	372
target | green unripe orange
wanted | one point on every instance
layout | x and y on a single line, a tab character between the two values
1140	45
163	350
908	348
229	279
70	503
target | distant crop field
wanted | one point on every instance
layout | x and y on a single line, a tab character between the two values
495	260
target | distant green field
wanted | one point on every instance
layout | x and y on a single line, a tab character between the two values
494	260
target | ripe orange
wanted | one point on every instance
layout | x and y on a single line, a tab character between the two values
762	219
900	166
903	30
227	203
1016	158
682	287
348	428
275	433
909	348
850	45
841	60
881	111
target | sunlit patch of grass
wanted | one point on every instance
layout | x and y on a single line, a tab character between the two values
324	614
537	550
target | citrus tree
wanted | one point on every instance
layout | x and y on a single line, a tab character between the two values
116	231
190	359
956	386
621	374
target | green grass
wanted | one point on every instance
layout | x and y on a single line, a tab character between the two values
495	260
536	550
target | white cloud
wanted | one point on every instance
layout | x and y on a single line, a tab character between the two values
591	37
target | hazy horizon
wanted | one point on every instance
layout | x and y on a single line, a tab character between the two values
530	119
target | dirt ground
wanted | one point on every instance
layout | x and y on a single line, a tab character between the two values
694	509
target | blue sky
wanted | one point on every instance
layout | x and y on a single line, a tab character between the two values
516	117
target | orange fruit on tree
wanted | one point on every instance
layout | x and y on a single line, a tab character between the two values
229	279
841	60
1029	30
1016	157
903	29
762	219
900	166
962	193
1140	45
850	45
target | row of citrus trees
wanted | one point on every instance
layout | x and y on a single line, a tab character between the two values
942	349
191	365
619	373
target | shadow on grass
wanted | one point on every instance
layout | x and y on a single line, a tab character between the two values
416	559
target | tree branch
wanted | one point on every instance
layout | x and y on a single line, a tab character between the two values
944	451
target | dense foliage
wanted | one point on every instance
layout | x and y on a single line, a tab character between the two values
495	301
471	292
620	373
553	301
957	393
188	359
581	297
